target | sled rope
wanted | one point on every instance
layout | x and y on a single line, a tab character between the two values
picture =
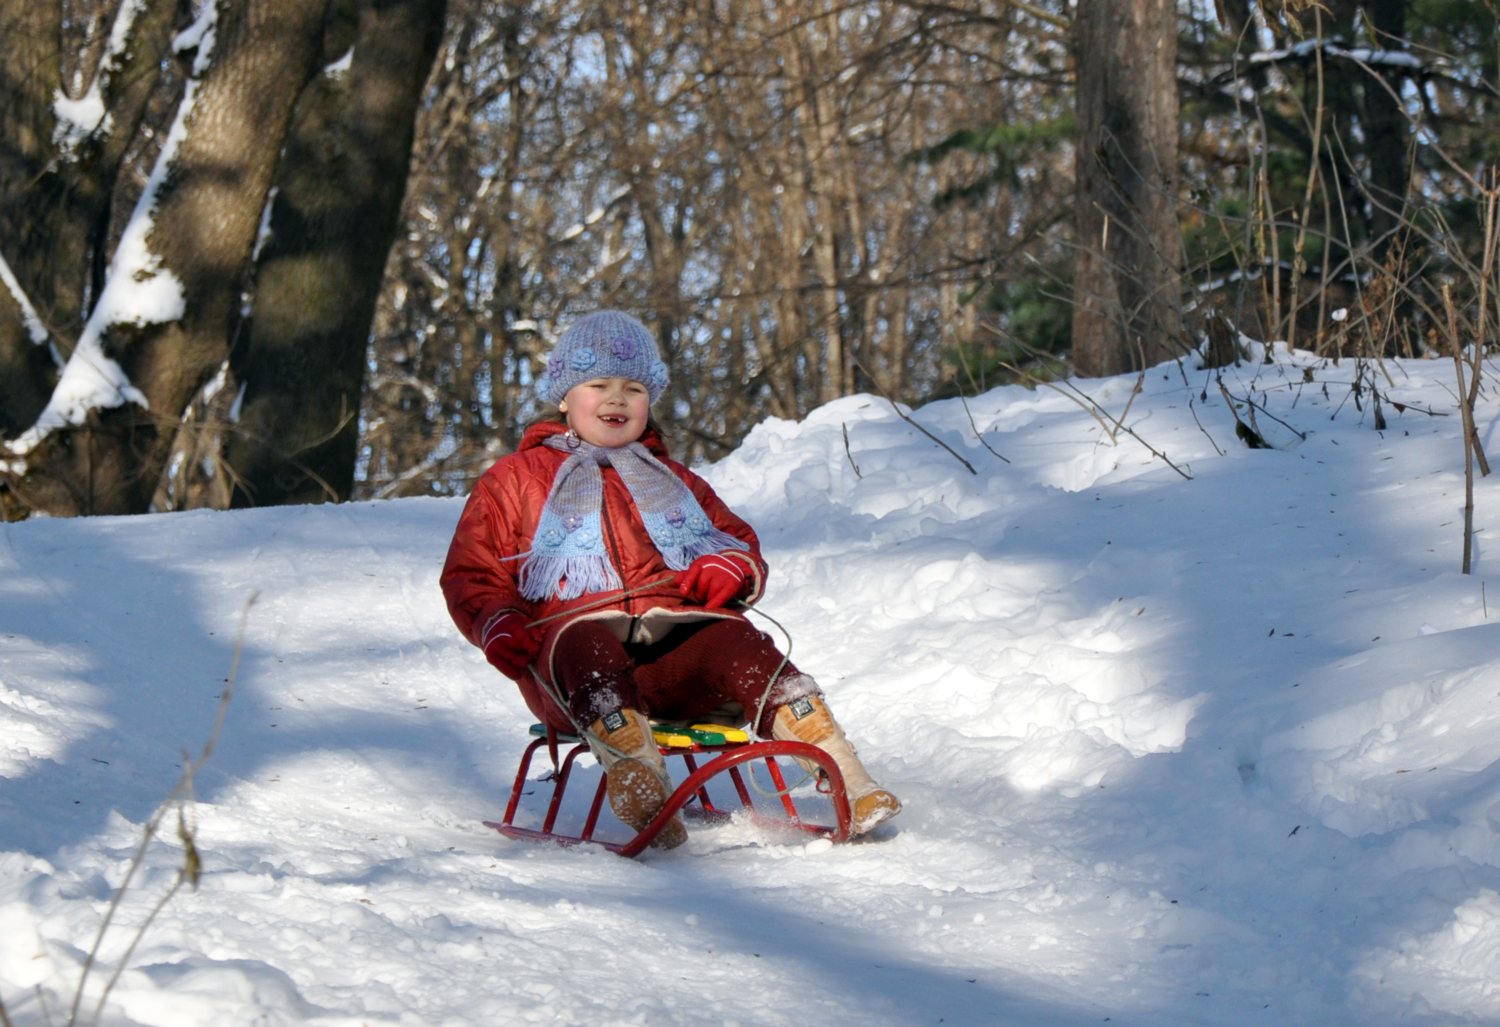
610	598
551	690
760	707
579	729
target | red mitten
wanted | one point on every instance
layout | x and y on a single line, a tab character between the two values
714	580
510	644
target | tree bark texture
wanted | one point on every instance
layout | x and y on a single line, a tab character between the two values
55	200
1127	241
30	72
207	217
340	187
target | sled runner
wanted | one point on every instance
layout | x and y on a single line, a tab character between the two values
730	749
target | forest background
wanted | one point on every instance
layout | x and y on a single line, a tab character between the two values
271	251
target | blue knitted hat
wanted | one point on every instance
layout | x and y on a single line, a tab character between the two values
605	344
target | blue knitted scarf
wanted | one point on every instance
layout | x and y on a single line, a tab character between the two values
567	554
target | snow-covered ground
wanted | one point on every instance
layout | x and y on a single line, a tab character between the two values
1212	751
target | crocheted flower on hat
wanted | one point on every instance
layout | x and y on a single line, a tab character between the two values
604	344
658	376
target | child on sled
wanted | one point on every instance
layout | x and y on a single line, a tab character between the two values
634	565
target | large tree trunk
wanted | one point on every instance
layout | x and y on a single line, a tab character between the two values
105	453
338	203
28	372
55	195
1128	245
30	73
1389	132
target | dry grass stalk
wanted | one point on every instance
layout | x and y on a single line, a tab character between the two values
179	797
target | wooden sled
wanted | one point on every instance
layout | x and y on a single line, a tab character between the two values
729	749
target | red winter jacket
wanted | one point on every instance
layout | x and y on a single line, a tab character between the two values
499	521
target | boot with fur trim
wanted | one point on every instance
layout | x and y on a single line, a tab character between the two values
807	720
638	782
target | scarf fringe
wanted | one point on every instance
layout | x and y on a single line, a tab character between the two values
569	576
680	558
568	556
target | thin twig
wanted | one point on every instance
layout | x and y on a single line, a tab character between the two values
1492	198
896	407
1465	406
1263	409
1097	411
845	426
1204	430
1060	392
1153	449
184	785
977	434
1241	429
130	949
1140	384
1402	408
1091	401
1299	246
929	434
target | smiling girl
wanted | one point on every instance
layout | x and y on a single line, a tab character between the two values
633	563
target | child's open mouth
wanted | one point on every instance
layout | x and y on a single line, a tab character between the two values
614	419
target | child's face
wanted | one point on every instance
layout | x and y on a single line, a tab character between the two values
608	412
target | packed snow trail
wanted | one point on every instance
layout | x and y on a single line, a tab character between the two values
1209	751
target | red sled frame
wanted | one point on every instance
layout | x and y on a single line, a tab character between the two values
691	797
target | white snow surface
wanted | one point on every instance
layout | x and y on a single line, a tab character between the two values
1172	751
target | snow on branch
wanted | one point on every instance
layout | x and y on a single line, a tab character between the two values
199	35
80	119
1362	55
138	290
339	68
263	233
34	326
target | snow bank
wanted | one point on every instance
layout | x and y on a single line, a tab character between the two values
1387	739
1173	751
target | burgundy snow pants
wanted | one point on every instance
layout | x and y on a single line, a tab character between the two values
694	670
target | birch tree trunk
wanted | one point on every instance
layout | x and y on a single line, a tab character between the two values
1127	242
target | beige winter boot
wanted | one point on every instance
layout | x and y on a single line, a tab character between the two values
808	720
638	782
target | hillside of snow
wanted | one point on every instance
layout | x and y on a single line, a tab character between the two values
1218	749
